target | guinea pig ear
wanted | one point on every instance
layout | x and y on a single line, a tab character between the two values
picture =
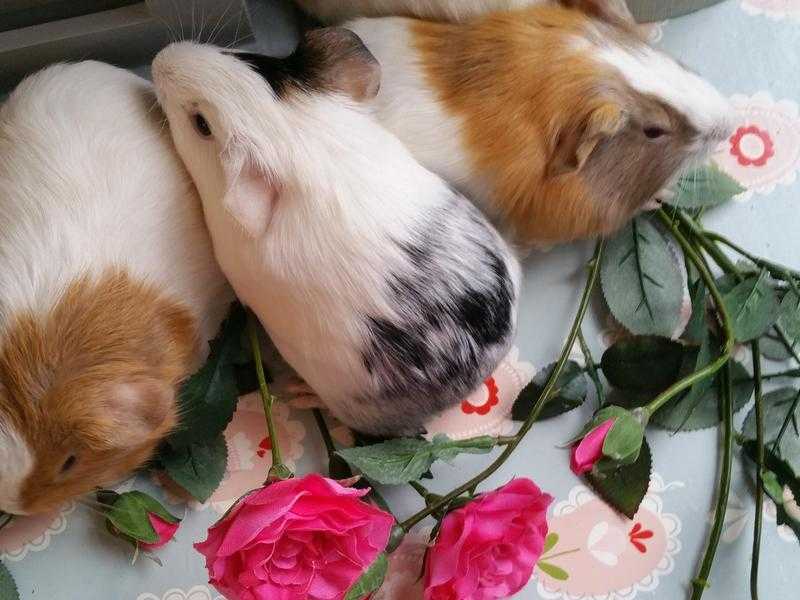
611	11
575	143
251	194
341	62
144	409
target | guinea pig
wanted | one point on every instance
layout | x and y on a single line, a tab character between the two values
445	10
386	290
563	123
108	286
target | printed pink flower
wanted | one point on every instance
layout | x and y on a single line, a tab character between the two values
488	548
164	530
589	450
308	538
752	146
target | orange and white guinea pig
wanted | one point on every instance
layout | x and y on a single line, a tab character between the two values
561	121
109	289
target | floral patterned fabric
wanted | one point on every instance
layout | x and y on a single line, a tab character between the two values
751	50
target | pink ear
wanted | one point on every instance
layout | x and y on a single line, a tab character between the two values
251	197
143	409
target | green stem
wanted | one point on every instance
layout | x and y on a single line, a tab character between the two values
787	373
776	270
700	583
786	422
727	328
591	369
330	447
535	411
505	440
266	397
759	516
701	236
565	553
420	489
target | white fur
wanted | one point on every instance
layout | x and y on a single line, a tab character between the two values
323	265
452	10
89	180
16	464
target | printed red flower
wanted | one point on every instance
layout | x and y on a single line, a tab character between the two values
639	533
296	539
264	447
752	146
487	549
491	387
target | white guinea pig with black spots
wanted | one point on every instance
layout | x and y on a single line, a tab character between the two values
387	291
109	291
562	122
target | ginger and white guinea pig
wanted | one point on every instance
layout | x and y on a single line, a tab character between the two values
387	291
562	123
108	286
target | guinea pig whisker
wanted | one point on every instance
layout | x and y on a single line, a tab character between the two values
222	22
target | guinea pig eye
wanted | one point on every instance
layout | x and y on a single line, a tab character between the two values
653	133
201	125
68	464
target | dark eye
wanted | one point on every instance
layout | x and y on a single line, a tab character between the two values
653	133
68	464
201	125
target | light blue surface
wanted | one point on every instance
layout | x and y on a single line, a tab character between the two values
742	54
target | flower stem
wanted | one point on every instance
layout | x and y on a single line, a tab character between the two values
700	583
565	553
786	422
591	369
420	489
777	271
330	448
266	398
759	516
535	411
727	328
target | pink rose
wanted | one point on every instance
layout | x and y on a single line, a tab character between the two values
488	548
589	450
296	539
164	530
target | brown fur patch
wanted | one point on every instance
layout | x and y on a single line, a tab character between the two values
61	374
534	107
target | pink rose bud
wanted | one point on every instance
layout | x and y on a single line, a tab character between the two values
589	450
296	539
487	549
164	530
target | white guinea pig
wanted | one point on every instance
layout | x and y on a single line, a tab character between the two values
331	11
562	123
108	286
388	292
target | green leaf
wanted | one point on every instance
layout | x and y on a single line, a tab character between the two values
624	440
697	328
550	542
371	580
641	280
785	478
772	348
705	187
568	394
8	589
643	363
198	468
753	307
553	571
776	406
704	412
129	514
772	486
693	398
624	488
789	318
208	398
399	461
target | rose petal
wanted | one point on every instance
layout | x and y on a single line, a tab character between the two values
590	449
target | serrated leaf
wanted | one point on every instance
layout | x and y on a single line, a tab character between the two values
568	394
550	542
207	400
641	280
673	415
371	580
789	317
772	348
399	461
129	515
625	487
697	328
8	589
198	468
623	441
694	396
643	363
705	187
786	478
753	307
553	571
776	405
